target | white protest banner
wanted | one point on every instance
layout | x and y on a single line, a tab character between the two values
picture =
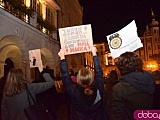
35	58
125	40
76	39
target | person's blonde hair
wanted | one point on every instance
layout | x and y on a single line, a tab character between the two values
85	79
15	82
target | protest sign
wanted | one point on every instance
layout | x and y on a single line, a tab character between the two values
76	39
125	40
35	58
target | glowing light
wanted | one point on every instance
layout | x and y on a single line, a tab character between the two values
28	3
152	65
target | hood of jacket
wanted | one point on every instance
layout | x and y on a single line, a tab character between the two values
143	81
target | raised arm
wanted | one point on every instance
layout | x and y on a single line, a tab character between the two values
97	69
36	88
66	79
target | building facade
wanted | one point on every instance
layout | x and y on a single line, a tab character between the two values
28	25
151	45
107	61
71	15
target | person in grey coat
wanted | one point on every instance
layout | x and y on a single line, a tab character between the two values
15	96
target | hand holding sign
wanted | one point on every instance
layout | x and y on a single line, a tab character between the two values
124	40
61	54
94	50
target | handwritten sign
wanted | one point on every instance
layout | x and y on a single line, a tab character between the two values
76	39
124	40
35	58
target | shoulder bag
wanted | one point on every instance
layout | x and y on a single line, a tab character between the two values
36	111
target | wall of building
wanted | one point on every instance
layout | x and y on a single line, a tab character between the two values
151	45
18	37
71	15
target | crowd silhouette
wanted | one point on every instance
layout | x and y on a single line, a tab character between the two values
84	95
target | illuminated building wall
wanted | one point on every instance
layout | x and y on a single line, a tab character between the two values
151	45
71	15
107	62
23	33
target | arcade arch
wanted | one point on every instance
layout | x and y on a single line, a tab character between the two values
16	50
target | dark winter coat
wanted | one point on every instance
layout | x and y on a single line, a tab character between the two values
81	108
133	92
156	97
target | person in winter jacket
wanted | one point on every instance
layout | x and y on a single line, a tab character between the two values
135	88
87	95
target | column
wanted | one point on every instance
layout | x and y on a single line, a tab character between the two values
1	69
26	65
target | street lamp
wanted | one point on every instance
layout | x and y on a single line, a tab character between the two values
152	66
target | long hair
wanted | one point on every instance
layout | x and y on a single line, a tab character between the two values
15	82
85	79
112	79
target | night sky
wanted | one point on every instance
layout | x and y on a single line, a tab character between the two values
109	16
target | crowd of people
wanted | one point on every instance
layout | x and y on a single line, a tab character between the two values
88	95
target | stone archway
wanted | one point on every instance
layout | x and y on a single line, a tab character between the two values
13	48
47	58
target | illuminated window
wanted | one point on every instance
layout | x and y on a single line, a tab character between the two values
1	3
49	15
34	5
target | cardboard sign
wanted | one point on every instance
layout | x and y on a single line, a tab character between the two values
76	39
125	40
35	58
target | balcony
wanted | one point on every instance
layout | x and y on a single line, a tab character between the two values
29	16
